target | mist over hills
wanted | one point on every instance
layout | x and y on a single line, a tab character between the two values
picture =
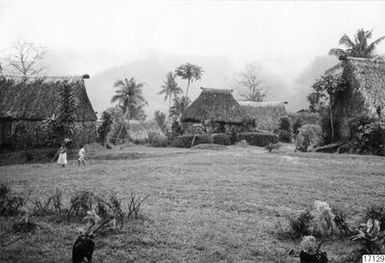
219	72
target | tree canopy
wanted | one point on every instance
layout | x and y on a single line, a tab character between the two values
359	47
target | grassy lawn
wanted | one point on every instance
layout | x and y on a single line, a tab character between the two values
204	205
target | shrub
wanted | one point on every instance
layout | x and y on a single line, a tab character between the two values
326	127
48	206
10	202
81	202
185	141
257	139
284	129
298	226
220	138
157	139
373	138
296	125
309	134
376	212
105	127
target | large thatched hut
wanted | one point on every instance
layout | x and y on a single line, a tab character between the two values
266	115
28	103
364	92
214	105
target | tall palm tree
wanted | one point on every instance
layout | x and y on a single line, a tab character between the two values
189	72
357	48
170	88
129	95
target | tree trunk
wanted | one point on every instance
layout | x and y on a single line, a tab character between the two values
188	86
169	107
331	117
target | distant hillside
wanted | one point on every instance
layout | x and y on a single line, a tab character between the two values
152	72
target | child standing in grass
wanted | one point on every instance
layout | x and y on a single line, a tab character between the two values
82	156
62	160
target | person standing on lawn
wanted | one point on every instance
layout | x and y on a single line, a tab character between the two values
62	160
82	156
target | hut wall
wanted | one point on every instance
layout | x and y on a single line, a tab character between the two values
187	126
268	117
30	134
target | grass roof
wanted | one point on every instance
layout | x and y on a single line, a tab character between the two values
215	104
368	77
36	98
266	114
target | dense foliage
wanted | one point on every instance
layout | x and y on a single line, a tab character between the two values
367	135
186	140
160	119
284	129
105	127
220	138
257	138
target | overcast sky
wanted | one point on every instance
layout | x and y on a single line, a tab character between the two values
284	36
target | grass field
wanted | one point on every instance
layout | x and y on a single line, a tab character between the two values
204	205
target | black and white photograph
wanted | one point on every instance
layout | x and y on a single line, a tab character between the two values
192	131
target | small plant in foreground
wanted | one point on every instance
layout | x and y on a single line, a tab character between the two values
52	205
81	202
84	245
298	227
310	251
10	202
134	206
26	223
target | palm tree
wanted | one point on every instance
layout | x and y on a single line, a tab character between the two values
129	96
179	106
190	72
170	88
357	48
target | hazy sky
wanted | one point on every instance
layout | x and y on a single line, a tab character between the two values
284	36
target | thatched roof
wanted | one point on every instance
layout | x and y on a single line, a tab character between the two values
366	76
266	114
215	104
35	98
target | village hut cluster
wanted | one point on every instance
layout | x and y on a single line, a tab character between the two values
28	103
220	107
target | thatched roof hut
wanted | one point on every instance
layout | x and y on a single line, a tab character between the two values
366	82
28	101
217	105
265	114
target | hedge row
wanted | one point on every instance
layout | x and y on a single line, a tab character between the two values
252	138
257	139
186	140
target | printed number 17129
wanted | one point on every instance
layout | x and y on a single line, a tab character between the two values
373	258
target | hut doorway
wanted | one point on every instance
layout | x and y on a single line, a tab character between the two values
5	130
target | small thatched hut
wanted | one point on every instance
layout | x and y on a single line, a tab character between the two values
266	115
215	105
26	103
365	89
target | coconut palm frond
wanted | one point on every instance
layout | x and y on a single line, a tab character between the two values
346	41
373	45
118	84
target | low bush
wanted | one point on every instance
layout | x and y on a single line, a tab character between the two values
257	139
296	125
10	202
308	135
220	138
376	212
298	226
186	141
157	139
